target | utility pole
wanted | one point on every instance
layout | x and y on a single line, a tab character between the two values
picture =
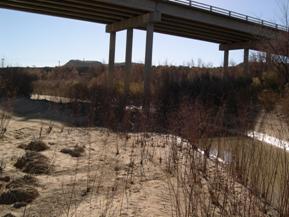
2	62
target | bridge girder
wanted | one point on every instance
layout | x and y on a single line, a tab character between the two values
135	22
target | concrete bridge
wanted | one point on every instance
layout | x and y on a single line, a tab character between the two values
184	18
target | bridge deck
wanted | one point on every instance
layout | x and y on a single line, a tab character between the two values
179	17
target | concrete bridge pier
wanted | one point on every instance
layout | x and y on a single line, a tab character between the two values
111	60
246	61
128	61
146	21
148	66
268	60
226	60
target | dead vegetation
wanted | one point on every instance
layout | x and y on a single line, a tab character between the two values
2	166
36	145
142	174
24	194
33	163
20	191
22	181
76	151
4	121
9	215
171	163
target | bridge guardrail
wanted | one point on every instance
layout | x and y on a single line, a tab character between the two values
233	14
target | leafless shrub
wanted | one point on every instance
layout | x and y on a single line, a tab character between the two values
205	176
35	145
33	163
4	122
2	166
76	151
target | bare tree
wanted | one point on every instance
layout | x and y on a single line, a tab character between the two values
277	49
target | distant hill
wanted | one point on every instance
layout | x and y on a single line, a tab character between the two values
85	63
80	63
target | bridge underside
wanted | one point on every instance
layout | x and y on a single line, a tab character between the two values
152	16
176	19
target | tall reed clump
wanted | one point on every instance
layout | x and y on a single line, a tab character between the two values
5	117
263	169
219	171
4	121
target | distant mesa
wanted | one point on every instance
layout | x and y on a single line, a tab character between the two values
82	63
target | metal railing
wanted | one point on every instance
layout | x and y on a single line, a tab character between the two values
232	14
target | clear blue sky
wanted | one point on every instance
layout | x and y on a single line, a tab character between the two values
29	39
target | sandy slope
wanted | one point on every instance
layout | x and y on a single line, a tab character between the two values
104	172
118	175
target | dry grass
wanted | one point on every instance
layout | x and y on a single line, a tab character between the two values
114	172
120	172
4	122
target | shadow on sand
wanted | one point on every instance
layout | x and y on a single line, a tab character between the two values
72	114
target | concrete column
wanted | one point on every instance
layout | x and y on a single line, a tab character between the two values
268	61
226	60
246	61
111	59
128	61
148	66
268	58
